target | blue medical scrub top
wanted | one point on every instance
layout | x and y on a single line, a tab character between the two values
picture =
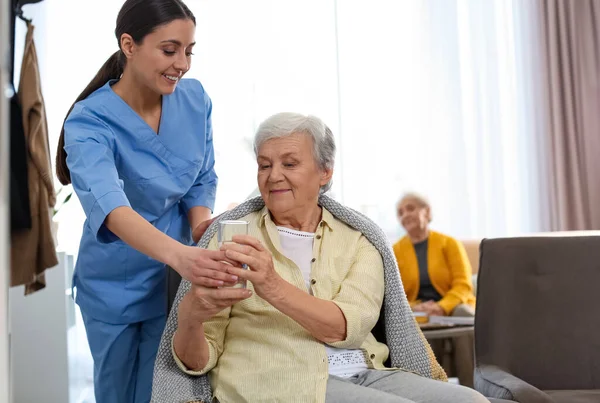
116	159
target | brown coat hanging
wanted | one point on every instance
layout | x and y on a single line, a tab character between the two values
33	250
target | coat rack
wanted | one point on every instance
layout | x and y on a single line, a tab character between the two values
16	11
19	14
18	8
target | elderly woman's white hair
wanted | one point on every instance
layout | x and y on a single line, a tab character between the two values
288	123
418	198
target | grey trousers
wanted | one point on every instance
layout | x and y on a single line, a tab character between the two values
397	387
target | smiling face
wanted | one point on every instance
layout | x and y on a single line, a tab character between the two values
289	178
162	58
413	215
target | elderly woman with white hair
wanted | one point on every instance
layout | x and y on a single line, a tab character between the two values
301	331
436	274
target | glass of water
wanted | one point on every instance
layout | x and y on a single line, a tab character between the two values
226	230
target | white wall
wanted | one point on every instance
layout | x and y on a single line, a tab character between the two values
38	327
4	266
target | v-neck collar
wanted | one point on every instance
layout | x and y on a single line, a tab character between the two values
164	98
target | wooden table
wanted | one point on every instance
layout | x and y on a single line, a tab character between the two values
444	332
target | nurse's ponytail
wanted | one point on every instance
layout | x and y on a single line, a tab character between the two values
113	68
137	18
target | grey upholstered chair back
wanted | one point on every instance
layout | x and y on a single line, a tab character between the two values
173	281
538	310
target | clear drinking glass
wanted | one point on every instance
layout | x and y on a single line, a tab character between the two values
226	230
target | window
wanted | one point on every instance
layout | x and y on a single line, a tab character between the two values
422	95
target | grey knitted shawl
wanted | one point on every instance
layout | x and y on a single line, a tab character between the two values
408	348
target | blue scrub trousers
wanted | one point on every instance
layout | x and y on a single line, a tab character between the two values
124	358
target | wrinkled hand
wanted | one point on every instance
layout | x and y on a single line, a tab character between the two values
246	249
202	303
430	307
201	228
204	267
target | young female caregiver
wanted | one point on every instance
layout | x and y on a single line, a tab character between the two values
138	147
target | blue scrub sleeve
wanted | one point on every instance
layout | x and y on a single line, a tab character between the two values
204	190
93	171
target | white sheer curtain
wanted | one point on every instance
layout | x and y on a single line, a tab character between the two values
432	101
424	95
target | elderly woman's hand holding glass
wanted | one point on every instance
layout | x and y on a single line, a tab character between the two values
248	250
323	319
301	332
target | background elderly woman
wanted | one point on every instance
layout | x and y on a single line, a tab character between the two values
301	332
436	274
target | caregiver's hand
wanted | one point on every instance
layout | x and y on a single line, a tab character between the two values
204	267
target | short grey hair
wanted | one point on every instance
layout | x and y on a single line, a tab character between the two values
419	198
288	123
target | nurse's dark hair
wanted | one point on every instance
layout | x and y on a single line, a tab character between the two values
137	18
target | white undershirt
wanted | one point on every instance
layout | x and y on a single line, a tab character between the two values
298	247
